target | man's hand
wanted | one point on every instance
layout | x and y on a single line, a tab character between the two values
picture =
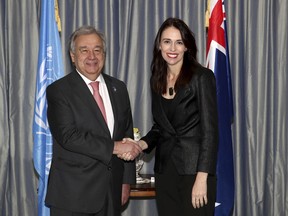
126	155
125	193
127	149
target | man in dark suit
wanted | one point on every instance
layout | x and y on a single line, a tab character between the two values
86	176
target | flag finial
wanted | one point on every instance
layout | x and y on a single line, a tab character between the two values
207	14
57	16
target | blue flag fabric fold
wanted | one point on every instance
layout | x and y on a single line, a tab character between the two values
49	69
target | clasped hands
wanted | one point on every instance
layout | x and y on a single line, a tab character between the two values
127	149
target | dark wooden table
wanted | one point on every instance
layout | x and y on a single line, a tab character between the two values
144	190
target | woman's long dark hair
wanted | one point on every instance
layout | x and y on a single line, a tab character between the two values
159	65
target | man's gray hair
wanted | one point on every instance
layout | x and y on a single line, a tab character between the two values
85	30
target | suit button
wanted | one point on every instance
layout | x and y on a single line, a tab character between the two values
109	168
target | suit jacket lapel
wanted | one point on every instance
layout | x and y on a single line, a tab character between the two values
160	113
82	91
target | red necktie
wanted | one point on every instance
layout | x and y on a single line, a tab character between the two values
98	98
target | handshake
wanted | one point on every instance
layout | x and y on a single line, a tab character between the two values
128	149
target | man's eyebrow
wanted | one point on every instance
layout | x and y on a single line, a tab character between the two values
85	46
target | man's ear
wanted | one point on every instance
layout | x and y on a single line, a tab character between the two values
72	55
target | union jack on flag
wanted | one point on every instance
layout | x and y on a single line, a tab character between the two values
218	62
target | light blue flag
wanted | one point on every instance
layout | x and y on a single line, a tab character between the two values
49	69
218	62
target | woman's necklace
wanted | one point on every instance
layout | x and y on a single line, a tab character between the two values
171	91
171	79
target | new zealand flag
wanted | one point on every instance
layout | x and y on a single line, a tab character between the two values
218	62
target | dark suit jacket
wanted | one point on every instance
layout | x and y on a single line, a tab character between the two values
190	139
83	168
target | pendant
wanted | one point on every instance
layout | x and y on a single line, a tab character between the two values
171	91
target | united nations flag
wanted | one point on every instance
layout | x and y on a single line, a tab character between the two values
50	68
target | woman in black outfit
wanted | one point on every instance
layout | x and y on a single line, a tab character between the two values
185	130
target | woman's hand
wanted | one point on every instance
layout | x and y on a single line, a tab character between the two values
199	190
